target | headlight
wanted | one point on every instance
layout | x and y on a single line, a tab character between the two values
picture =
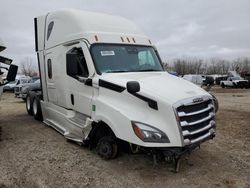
148	133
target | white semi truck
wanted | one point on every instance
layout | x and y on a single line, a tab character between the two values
103	83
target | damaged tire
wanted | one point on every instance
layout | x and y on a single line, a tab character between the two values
107	147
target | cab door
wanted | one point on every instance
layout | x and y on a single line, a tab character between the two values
80	93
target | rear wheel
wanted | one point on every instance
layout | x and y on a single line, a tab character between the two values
107	147
37	111
223	85
29	105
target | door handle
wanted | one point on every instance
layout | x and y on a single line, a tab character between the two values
72	99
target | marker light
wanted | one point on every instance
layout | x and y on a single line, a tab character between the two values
96	38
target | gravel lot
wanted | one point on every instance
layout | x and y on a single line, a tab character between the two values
34	155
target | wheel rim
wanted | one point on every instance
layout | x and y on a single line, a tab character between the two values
105	150
28	103
35	107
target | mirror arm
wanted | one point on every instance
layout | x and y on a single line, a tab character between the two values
4	84
81	79
4	68
86	81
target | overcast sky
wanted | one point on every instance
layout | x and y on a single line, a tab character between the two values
202	28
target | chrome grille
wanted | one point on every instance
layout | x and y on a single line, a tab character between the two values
196	119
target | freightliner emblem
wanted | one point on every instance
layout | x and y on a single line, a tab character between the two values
196	100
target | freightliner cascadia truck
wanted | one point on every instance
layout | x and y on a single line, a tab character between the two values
103	83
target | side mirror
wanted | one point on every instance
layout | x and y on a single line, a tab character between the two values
5	60
133	86
11	76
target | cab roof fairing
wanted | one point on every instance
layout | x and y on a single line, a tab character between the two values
72	25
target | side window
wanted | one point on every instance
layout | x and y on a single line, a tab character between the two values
49	65
50	27
76	63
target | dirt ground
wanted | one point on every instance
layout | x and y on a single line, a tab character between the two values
34	155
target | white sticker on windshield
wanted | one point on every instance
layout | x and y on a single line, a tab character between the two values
107	53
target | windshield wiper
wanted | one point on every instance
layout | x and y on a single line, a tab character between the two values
144	70
115	71
147	70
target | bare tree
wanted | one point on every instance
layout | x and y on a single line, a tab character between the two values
245	65
193	65
28	67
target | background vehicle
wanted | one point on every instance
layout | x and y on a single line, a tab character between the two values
236	82
103	84
18	88
25	89
219	79
196	79
20	79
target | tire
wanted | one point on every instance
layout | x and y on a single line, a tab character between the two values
36	107
107	148
29	105
216	103
223	85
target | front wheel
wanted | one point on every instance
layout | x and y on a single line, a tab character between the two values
107	148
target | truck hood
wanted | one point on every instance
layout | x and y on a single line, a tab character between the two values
158	85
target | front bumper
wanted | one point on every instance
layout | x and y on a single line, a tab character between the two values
176	152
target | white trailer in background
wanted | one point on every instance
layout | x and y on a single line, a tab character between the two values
103	83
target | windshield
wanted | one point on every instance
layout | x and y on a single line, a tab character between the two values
37	81
110	58
13	82
33	80
236	78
